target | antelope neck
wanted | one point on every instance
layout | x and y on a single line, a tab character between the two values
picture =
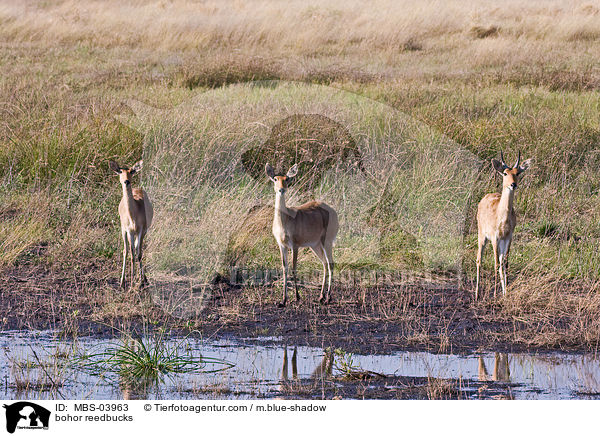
281	208
506	200
128	195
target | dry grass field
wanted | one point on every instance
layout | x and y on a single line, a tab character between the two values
489	76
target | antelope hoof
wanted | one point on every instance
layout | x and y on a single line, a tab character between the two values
322	300
298	297
281	304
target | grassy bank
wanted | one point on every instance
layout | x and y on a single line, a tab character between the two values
486	77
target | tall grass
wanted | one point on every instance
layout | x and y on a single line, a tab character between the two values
185	24
487	76
402	181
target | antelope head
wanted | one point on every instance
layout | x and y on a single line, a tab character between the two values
280	183
125	174
510	175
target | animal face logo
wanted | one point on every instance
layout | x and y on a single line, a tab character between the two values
24	414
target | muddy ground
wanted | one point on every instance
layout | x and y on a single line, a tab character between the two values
364	320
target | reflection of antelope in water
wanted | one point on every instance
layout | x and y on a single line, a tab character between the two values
501	369
132	389
323	370
284	368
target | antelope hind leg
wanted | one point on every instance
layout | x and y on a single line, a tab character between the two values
320	253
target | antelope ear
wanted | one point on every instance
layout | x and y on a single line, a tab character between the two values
292	171
137	167
114	166
524	166
270	172
498	166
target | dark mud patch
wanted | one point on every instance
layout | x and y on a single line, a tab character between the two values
376	320
85	301
373	320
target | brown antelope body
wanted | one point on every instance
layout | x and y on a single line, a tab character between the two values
496	219
135	212
314	225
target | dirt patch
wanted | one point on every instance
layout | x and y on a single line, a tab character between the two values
368	321
374	320
85	301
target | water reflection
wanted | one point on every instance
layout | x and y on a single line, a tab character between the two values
501	369
266	369
325	368
284	369
135	389
501	373
321	372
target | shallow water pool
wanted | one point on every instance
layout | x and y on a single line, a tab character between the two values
39	365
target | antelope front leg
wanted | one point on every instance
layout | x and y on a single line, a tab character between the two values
495	247
125	243
284	266
480	248
503	248
501	273
132	246
140	241
506	264
294	262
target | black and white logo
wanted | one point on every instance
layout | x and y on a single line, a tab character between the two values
26	415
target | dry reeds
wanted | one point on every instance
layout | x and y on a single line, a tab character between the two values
184	24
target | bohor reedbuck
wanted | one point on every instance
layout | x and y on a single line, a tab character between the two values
135	212
496	220
313	224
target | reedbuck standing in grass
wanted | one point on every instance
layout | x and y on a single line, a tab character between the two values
135	211
314	225
496	220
